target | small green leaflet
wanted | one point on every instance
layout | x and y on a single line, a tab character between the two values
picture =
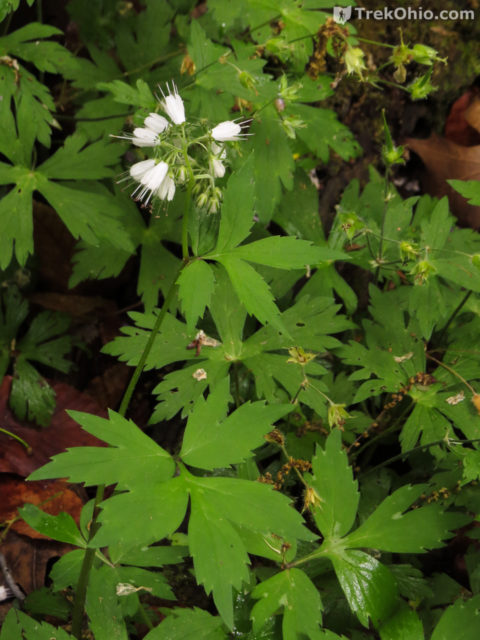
403	624
219	556
102	605
286	253
436	228
196	286
164	502
61	527
141	96
133	458
460	621
369	586
237	209
390	529
336	489
212	441
293	591
188	624
253	291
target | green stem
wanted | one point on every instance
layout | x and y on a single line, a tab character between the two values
82	584
12	435
148	347
382	230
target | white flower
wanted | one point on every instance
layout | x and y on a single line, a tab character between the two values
138	170
150	175
144	137
156	122
166	191
228	131
173	105
219	151
218	167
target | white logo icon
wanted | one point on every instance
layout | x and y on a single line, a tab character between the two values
342	14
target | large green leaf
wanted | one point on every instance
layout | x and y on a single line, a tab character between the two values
336	503
293	591
133	458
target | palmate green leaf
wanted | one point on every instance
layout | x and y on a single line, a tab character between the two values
389	528
336	507
404	624
196	286
219	553
90	214
293	591
237	209
164	502
369	586
61	527
188	624
212	441
116	464
286	253
460	621
18	626
253	292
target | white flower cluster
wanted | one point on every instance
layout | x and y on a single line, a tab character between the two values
180	154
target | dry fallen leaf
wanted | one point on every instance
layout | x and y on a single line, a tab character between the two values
445	160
